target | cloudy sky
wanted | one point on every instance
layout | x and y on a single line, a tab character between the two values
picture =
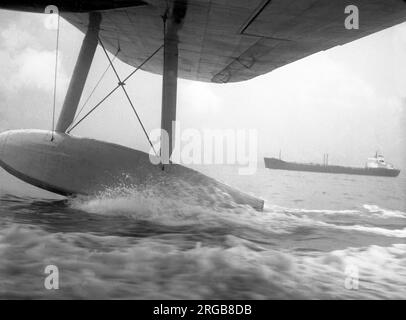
349	101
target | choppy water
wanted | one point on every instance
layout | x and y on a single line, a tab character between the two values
140	244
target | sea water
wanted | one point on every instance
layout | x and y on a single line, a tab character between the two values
320	236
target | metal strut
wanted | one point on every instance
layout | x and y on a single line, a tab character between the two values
172	19
169	87
55	75
80	73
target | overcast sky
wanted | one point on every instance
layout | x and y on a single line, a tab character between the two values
349	101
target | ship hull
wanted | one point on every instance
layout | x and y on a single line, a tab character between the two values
273	163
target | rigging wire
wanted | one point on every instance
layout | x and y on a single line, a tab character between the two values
95	87
92	92
122	84
55	76
113	90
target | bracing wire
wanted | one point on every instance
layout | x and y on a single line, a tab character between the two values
113	90
94	88
121	84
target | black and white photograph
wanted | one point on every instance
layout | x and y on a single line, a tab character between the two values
202	150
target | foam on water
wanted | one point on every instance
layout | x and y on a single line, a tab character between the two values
154	206
376	210
369	210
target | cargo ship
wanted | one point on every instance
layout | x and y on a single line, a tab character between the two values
375	166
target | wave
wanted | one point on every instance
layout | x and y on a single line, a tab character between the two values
397	233
373	211
156	207
369	210
385	213
117	267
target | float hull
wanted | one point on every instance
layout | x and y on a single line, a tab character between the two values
70	165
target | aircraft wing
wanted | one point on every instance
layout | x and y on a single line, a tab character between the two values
232	40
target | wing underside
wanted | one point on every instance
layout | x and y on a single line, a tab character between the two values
234	40
229	40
